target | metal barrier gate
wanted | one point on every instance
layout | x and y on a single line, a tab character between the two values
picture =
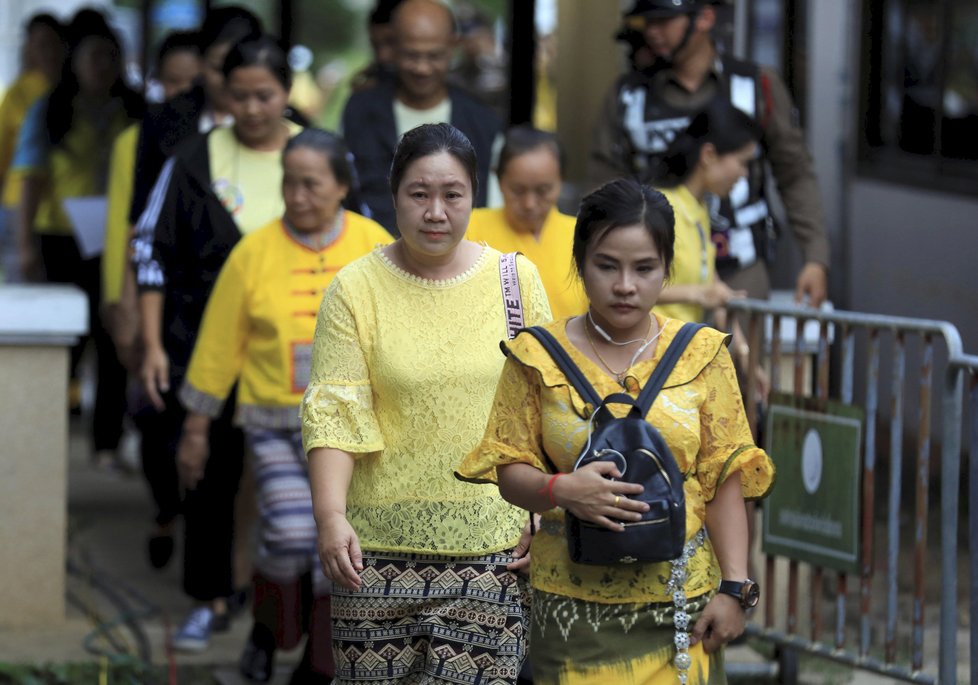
877	341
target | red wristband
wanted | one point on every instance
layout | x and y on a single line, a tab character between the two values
548	489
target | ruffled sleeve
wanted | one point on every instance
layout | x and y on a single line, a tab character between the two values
337	408
726	443
513	433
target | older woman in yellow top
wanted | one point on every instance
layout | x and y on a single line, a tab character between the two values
649	623
258	330
405	362
530	168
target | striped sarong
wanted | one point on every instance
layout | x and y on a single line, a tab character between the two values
287	531
431	619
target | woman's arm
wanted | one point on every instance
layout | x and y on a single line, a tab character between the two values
707	295
723	618
155	373
589	493
32	189
330	471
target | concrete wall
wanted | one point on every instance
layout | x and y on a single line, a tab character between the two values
33	485
913	254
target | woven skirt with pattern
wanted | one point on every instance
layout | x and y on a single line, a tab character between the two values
587	643
431	619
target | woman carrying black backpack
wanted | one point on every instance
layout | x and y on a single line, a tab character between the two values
626	621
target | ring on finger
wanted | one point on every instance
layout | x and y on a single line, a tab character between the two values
617	499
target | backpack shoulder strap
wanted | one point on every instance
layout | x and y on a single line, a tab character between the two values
566	365
666	365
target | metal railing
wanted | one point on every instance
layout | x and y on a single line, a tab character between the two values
828	369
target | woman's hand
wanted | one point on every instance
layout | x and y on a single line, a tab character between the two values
722	620
339	551
591	495
522	549
192	454
155	375
717	293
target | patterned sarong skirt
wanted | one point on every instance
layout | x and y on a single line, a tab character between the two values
421	618
575	642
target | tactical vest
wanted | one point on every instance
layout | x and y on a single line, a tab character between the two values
742	227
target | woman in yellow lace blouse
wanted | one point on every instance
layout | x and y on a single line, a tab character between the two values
625	623
405	363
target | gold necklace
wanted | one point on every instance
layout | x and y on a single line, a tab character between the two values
619	375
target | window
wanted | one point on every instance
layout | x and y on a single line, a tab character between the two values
920	92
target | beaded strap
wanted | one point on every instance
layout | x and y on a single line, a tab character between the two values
677	586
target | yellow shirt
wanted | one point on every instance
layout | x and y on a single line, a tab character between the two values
699	413
122	169
694	253
403	374
23	93
77	167
247	182
551	254
260	318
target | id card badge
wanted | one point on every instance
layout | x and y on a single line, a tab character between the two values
301	366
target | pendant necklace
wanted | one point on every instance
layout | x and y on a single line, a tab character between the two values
619	375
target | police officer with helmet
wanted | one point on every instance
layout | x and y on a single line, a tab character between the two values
682	71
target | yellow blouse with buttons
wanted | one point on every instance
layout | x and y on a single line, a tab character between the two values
259	323
699	412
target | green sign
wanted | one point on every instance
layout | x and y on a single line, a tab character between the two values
812	513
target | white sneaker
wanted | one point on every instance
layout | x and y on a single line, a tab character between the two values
195	633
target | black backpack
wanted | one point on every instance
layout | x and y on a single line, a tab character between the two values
642	456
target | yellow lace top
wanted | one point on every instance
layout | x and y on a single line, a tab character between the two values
403	375
699	413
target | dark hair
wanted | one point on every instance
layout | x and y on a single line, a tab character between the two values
176	41
431	139
227	25
624	202
45	19
524	138
59	117
382	11
337	154
721	124
263	51
332	146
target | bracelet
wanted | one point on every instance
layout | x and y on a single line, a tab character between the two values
548	489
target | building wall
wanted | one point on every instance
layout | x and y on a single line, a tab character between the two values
589	61
896	249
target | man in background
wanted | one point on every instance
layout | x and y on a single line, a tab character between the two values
425	37
647	107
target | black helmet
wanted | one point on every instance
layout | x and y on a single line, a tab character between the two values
661	9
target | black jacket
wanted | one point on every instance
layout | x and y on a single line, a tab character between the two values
371	134
164	128
182	241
